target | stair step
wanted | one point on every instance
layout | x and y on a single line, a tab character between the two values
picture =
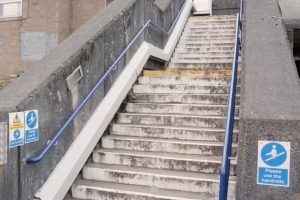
215	42
216	18
157	178
201	58
198	50
203	148
202	64
161	160
208	36
198	55
207	32
96	190
170	119
182	80
218	99
210	25
188	109
202	46
209	67
219	22
170	132
209	28
181	89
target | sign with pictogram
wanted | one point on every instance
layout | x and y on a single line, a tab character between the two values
273	163
31	126
16	129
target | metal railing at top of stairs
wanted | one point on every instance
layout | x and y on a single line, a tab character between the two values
50	144
225	166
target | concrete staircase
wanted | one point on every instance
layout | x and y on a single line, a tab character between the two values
166	141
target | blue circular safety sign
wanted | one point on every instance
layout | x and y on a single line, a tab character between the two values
273	154
31	119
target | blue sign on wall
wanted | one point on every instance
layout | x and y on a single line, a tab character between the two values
31	126
273	164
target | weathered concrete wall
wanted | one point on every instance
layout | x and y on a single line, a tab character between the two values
270	106
94	46
225	4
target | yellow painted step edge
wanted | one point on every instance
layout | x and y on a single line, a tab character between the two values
189	72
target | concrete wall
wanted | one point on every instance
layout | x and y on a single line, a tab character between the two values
40	19
225	4
94	46
290	12
270	106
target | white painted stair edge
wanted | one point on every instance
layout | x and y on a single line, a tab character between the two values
63	176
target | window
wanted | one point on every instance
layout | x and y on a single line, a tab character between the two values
10	8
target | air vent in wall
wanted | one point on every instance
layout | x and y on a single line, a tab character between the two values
75	77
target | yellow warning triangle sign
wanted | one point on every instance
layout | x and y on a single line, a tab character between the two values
16	119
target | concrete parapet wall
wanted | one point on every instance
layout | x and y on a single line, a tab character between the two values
94	46
270	106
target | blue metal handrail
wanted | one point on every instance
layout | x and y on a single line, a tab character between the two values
225	167
41	155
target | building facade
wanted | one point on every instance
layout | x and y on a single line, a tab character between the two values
31	28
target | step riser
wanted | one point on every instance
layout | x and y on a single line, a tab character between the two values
203	55
211	67
151	180
214	24
169	133
194	99
175	109
208	32
95	194
201	59
212	34
216	68
184	81
180	89
85	193
207	37
187	51
204	150
159	163
174	120
209	28
207	42
204	49
218	20
206	45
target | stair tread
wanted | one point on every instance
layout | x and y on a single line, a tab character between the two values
163	140
142	190
159	172
164	155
